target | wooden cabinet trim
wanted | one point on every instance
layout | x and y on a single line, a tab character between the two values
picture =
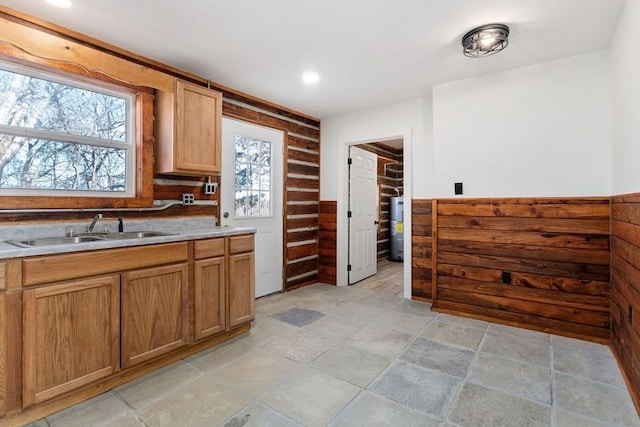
54	268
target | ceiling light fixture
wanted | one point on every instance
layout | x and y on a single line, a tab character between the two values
310	77
485	40
60	3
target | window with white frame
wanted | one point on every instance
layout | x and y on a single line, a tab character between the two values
60	136
252	177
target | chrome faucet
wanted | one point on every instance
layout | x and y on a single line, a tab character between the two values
93	222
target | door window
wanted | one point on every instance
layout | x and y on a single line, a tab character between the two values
252	177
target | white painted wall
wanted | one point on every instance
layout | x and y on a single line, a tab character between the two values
625	70
409	120
537	131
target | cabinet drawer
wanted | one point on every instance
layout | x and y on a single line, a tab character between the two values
209	248
54	268
240	244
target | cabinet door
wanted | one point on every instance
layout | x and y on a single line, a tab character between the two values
198	132
241	289
209	299
154	312
71	336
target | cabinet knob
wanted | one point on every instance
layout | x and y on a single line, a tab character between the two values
225	215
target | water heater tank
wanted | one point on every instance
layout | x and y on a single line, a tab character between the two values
396	250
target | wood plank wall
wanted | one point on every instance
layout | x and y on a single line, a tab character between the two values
421	249
390	178
75	52
556	251
625	287
328	227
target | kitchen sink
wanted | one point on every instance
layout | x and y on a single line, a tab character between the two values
136	235
87	237
52	241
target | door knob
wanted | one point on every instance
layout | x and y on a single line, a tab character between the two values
226	214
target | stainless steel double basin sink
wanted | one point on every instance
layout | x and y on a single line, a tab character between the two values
87	237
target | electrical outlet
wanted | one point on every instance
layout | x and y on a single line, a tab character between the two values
457	188
210	187
187	198
506	277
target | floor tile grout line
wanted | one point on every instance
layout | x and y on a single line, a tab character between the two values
554	396
463	380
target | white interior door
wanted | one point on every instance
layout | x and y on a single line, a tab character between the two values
251	194
362	204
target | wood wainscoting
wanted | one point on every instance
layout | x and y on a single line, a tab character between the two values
328	227
625	288
536	263
421	249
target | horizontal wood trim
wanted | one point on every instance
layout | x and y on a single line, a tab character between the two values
579	256
551	326
302	251
597	209
54	268
549	225
528	280
299	268
552	268
585	302
302	236
302	209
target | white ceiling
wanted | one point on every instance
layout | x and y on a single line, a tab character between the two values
367	52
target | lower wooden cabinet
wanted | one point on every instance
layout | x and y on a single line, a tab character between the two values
154	312
241	289
71	336
209	297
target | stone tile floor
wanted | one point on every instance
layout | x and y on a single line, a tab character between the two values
351	356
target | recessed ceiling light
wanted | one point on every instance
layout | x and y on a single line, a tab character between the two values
310	77
60	3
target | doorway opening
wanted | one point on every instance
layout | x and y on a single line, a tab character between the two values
388	221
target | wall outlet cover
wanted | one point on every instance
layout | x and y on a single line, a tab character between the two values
457	188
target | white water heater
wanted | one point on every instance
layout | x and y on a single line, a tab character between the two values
396	250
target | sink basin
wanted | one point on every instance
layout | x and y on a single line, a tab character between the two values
87	237
137	235
52	241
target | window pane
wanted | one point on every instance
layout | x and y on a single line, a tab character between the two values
46	164
253	177
34	103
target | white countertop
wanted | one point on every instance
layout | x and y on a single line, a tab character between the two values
7	250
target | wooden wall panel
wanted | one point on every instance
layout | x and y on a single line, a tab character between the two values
556	252
328	223
625	287
421	249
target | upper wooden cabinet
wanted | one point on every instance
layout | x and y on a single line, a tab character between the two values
188	130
